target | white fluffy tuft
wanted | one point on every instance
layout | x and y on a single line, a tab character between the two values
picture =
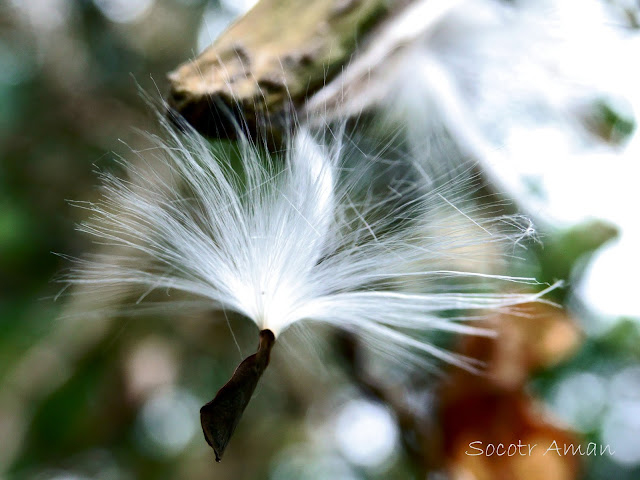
301	236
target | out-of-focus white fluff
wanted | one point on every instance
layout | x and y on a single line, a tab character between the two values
300	236
518	85
521	86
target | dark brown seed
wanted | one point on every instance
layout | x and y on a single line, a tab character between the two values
221	415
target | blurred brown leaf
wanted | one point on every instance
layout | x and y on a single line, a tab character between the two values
496	408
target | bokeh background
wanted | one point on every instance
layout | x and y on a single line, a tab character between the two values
118	398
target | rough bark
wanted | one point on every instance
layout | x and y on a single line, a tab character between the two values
278	54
